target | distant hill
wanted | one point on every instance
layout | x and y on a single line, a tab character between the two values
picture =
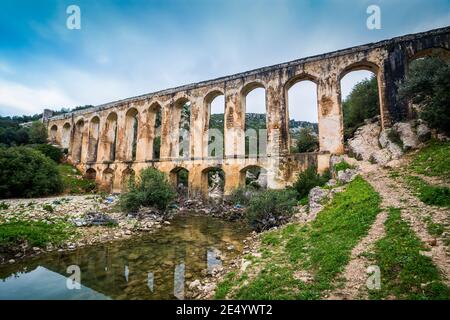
258	121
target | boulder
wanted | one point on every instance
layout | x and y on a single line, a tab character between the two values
347	175
365	141
386	143
423	132
382	157
316	197
407	135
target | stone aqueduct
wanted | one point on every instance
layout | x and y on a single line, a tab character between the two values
99	139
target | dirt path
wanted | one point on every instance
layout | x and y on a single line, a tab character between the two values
355	273
395	194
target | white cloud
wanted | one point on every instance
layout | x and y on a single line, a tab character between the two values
29	99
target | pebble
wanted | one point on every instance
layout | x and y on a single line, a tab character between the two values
12	261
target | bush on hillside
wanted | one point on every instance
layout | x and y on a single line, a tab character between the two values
270	208
25	172
50	151
308	179
150	189
428	86
37	133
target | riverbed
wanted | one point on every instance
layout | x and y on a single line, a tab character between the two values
159	265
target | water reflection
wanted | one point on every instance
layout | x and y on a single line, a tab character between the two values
154	267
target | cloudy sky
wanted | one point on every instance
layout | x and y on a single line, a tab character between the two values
127	48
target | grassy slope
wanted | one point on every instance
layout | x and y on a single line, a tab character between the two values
35	233
73	181
405	272
321	248
433	160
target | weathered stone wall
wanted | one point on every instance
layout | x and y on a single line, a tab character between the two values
90	131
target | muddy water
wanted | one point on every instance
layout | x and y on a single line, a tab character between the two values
156	266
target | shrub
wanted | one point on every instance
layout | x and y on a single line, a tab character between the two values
4	206
151	188
341	166
73	181
270	208
50	151
25	172
37	133
308	179
428	86
307	141
48	208
242	195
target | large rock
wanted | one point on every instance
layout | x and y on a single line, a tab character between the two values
317	196
382	157
407	135
423	132
365	141
395	150
347	175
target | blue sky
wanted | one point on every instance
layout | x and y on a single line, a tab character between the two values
127	48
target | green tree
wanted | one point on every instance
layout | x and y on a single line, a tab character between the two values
25	172
38	133
428	86
151	188
362	103
307	141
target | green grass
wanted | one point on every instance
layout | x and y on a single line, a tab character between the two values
322	248
343	165
433	160
73	181
428	194
34	233
434	229
405	272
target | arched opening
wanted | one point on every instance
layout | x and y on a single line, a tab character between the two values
180	133
128	178
155	122
90	174
108	180
214	125
94	132
360	97
253	176
110	137
78	141
254	107
65	139
303	111
213	183
53	133
131	134
427	95
180	179
440	53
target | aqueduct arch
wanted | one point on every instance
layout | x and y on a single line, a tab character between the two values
127	127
